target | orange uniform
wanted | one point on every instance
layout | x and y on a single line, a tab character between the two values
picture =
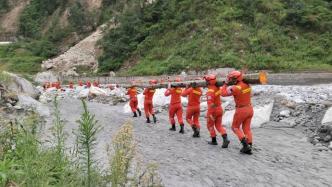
71	85
244	110
193	109
58	85
88	84
214	112
175	107
148	101
80	83
47	85
95	83
132	92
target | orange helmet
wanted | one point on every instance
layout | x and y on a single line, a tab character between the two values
235	75
211	79
153	82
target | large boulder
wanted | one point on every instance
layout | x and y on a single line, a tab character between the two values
29	102
46	76
20	85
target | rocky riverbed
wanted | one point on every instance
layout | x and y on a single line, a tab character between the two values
292	145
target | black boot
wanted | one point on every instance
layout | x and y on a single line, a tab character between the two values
154	118
246	148
148	120
250	145
139	112
135	115
225	141
213	141
181	129
196	131
173	128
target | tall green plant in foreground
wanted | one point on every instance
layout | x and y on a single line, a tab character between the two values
86	138
125	167
67	173
124	152
58	132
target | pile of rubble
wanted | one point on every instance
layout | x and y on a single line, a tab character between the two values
303	107
322	138
83	54
101	94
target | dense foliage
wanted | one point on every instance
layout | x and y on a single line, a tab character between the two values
35	15
44	34
3	5
170	36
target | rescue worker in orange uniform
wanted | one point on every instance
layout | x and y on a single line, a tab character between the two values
58	85
95	83
148	101
235	86
175	106
133	103
47	85
214	112
88	84
53	85
194	94
71	85
80	83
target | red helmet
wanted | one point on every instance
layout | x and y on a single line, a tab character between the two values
153	81
211	79
235	75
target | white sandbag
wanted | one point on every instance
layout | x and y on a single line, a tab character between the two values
261	115
119	92
328	116
97	91
52	89
83	93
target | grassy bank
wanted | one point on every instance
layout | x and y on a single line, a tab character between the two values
19	60
26	161
171	36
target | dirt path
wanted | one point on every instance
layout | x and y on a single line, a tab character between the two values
282	157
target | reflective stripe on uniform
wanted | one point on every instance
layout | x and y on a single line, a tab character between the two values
197	92
246	90
239	87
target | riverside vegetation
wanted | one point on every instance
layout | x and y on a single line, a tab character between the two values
24	161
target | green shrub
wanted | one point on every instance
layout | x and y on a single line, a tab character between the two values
86	139
3	6
171	36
